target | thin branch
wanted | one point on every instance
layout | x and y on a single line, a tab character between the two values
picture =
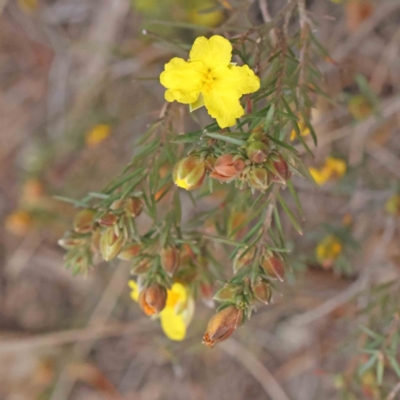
256	368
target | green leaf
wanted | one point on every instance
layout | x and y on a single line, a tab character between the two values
368	365
225	241
290	214
226	138
380	367
190	137
295	198
269	117
371	333
395	365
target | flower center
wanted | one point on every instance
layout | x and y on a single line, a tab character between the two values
208	81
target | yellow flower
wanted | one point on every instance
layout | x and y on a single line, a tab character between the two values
304	130
328	250
209	19
209	79
97	134
392	206
19	222
333	168
178	311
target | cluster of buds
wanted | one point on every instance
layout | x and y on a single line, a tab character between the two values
102	231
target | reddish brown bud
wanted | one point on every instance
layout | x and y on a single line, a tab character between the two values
241	261
273	266
262	291
152	299
134	207
170	258
222	325
258	179
227	167
189	173
83	221
257	152
107	219
130	251
281	167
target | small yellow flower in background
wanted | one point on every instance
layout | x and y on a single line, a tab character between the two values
178	311
208	19
392	206
209	79
19	222
304	130
97	134
333	168
328	250
28	6
360	107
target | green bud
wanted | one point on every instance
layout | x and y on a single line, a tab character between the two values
189	173
110	244
258	179
83	221
227	292
257	152
130	251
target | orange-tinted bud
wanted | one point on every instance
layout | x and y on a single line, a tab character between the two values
258	179
152	299
107	219
227	292
170	260
241	261
227	167
83	221
257	152
222	325
130	251
110	244
273	266
189	173
262	291
134	207
282	170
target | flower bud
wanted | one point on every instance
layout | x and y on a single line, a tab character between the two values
273	266
152	299
110	244
227	167
69	242
189	173
227	292
222	325
107	219
134	207
83	221
117	204
258	179
281	167
95	240
130	251
262	291
257	152
241	261
170	260
209	163
141	267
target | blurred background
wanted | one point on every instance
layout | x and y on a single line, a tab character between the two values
78	84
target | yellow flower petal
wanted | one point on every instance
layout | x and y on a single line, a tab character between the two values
183	80
176	297
135	290
173	324
224	106
212	52
319	176
328	249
